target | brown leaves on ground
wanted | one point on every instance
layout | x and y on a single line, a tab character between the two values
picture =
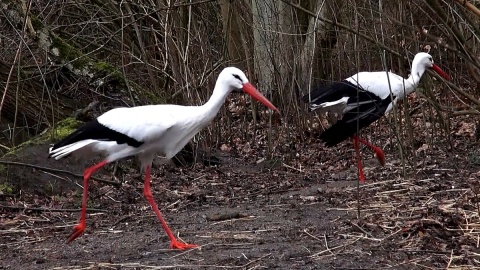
280	199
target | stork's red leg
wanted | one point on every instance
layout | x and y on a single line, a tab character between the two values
78	230
378	151
359	159
174	243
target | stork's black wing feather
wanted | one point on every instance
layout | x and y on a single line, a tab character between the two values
354	120
96	131
336	91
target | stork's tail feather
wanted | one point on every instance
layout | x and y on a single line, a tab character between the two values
60	152
311	98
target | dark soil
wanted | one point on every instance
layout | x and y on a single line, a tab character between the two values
301	214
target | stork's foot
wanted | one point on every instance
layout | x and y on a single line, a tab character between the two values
77	231
181	246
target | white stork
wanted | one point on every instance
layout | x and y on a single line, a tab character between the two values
145	131
363	98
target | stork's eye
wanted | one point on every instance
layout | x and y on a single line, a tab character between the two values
431	60
237	77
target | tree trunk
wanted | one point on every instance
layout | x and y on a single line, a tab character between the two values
320	38
264	40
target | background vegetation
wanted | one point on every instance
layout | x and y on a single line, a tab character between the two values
57	57
293	201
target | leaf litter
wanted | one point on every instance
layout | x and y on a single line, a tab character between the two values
298	207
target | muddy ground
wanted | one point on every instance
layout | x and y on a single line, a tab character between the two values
307	213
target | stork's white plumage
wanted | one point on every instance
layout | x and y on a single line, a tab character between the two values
363	98
145	131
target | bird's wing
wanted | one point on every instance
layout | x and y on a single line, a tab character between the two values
142	123
340	97
380	83
328	93
354	120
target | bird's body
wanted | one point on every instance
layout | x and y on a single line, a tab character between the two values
364	98
145	131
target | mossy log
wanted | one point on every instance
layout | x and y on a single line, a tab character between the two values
61	130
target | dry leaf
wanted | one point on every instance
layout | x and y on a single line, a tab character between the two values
466	129
246	148
225	148
423	148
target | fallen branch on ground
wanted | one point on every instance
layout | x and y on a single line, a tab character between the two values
41	209
113	183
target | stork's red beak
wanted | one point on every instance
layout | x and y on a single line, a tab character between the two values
252	91
440	72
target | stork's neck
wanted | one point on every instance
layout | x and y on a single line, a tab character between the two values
220	93
416	75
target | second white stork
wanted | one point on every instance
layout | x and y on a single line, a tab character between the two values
145	131
364	98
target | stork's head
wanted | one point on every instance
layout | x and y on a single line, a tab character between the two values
426	60
235	80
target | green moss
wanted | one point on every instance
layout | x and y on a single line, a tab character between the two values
108	70
68	53
62	129
103	66
36	23
6	189
153	98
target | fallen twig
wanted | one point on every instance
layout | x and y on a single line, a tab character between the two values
438	252
226	216
292	168
117	184
333	248
256	260
41	209
361	229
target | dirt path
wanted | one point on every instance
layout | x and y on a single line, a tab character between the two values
283	218
281	231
